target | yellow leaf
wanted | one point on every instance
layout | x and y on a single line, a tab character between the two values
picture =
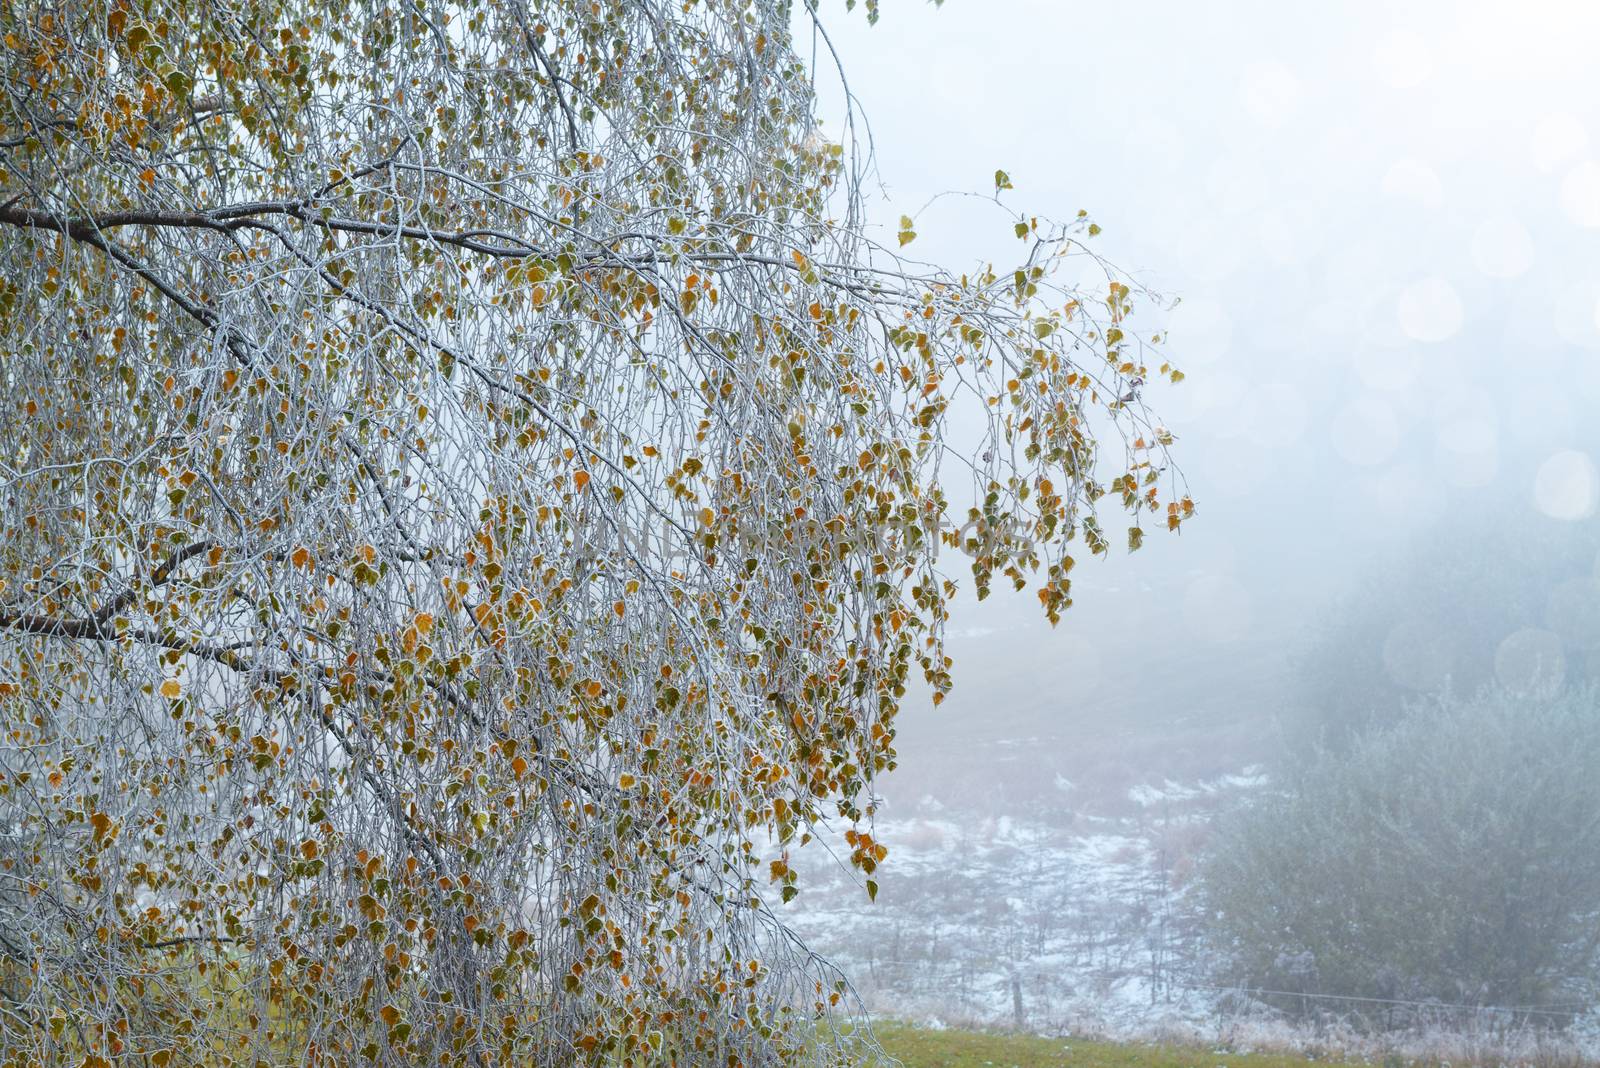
171	689
907	234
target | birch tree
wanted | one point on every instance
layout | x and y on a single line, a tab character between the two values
472	483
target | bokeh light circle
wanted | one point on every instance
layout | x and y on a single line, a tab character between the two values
1557	137
1365	432
1430	310
1566	485
1418	656
1502	248
1580	194
1410	179
1530	660
1402	59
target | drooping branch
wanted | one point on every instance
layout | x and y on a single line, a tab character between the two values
158	578
583	502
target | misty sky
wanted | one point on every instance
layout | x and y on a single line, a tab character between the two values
1383	220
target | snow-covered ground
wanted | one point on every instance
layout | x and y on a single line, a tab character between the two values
1073	915
1064	918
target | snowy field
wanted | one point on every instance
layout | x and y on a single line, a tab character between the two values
1074	917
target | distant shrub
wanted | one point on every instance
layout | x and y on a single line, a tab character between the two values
1454	855
1501	595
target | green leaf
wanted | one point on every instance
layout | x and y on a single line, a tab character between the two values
1002	180
872	890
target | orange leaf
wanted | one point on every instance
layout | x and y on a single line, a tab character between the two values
580	479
